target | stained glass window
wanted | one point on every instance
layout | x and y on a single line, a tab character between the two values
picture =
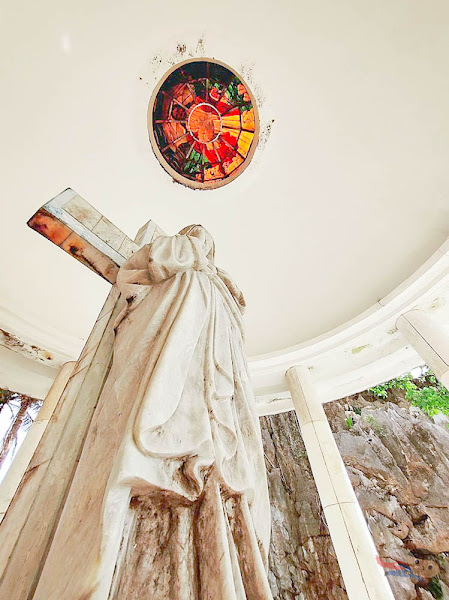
203	124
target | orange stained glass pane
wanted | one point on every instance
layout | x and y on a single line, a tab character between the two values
175	134
231	165
241	89
183	94
213	172
248	121
204	123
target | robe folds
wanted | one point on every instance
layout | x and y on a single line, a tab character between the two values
169	500
181	336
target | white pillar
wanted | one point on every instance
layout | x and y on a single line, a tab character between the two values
25	453
429	339
364	578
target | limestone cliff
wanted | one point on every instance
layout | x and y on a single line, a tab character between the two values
398	462
303	565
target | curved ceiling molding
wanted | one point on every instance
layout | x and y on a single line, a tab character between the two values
362	352
50	347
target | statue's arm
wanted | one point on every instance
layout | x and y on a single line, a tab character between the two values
132	282
133	274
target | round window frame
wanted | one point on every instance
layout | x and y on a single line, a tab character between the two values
191	183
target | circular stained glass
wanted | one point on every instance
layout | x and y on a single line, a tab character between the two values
203	123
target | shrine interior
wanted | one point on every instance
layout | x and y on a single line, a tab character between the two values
224	300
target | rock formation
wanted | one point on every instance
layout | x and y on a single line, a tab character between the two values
302	561
398	462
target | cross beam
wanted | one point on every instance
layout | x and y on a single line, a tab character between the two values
83	232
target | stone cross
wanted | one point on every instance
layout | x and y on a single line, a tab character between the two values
80	230
30	521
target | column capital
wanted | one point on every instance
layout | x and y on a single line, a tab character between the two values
304	396
429	338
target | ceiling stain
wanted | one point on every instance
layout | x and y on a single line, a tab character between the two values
181	49
360	348
200	46
12	342
247	71
265	132
437	303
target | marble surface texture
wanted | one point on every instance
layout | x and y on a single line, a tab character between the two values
175	440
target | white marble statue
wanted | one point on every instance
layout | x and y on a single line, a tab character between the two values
176	430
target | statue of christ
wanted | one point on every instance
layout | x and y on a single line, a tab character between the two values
175	441
181	338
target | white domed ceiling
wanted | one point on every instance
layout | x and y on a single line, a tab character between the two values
347	193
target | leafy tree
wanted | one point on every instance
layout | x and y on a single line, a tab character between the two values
424	391
22	410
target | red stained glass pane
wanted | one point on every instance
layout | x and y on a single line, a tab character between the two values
204	122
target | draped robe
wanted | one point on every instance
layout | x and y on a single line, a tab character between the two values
175	427
196	425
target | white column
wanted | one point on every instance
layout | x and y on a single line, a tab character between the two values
364	578
429	339
25	453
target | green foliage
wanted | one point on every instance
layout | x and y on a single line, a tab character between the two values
434	587
3	396
425	392
6	396
432	400
442	560
405	382
349	422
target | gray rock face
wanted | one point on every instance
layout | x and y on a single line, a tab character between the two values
398	462
303	565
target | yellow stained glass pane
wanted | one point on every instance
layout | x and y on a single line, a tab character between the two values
231	121
244	142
